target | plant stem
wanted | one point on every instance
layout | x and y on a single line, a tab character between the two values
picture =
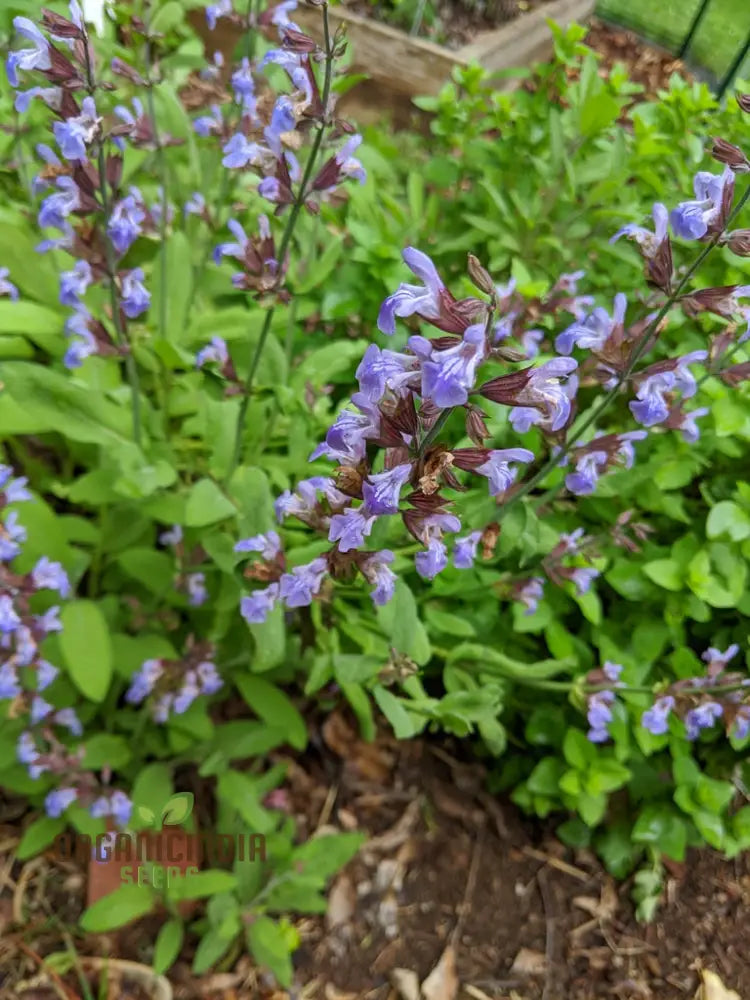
285	242
120	336
640	347
162	162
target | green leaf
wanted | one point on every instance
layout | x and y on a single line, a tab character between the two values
45	400
728	519
211	948
106	750
206	504
164	20
591	808
448	623
545	778
200	885
399	619
270	641
394	709
323	856
269	947
658	824
38	835
666	573
243	794
168	944
355	668
86	648
41	325
251	491
274	707
120	907
155	570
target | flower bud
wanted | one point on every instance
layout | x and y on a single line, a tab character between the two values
59	25
476	428
732	156
738	242
480	276
744	102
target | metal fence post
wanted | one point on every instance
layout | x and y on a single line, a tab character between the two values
699	15
734	68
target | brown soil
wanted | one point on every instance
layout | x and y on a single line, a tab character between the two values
452	23
448	872
648	65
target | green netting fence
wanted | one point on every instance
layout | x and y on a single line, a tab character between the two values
712	36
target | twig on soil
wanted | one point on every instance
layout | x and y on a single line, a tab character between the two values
57	984
464	907
325	812
561	866
549	917
23	879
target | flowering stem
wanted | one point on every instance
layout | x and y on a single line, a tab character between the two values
162	162
444	415
285	241
640	347
120	335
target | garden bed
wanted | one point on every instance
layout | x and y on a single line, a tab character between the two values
411	66
446	867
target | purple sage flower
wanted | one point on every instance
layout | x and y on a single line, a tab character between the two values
376	569
648	242
268	545
215	351
381	491
599	715
37	57
9	686
7	287
58	801
75	134
299	587
125	224
594	331
691	219
48	575
55	209
407	300
135	296
73	284
449	375
349	529
702	717
256	607
656	718
465	550
497	468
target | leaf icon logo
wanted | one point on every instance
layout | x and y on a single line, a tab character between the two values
146	815
178	808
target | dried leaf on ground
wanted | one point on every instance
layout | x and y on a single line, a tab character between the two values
442	982
712	988
529	963
342	901
406	983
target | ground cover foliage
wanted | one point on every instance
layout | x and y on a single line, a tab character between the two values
576	611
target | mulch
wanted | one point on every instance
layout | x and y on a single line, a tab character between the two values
454	890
